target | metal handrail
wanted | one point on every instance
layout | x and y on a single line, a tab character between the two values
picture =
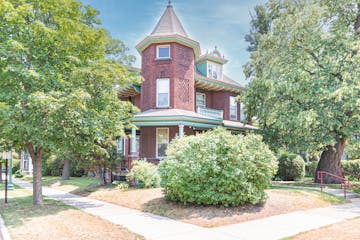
344	181
351	174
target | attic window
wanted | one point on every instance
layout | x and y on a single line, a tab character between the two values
163	51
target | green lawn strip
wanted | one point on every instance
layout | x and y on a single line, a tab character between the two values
80	183
322	195
20	208
354	184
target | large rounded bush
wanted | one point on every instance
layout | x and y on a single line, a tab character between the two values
291	167
217	168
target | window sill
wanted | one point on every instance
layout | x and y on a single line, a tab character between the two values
163	59
168	107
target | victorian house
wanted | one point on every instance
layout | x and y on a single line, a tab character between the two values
183	92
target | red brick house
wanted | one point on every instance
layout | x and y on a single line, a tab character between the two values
182	93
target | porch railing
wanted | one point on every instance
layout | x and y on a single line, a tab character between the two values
209	112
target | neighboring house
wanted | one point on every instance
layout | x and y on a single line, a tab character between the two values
26	163
183	92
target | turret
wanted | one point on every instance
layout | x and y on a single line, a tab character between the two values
168	60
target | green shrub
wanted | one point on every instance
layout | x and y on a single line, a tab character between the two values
18	174
291	167
310	168
53	166
217	168
144	174
15	163
351	166
121	185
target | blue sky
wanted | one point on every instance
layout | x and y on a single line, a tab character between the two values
211	22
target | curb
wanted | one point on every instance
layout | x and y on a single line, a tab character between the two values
4	234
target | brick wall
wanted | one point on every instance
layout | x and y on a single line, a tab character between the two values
179	69
148	140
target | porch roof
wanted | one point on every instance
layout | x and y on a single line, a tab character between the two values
238	125
174	117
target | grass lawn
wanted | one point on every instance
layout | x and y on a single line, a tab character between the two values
280	200
54	220
74	185
348	229
305	182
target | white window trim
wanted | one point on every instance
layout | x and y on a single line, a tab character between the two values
156	146
162	46
236	109
123	140
157	93
199	93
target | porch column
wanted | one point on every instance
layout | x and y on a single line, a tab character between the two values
181	130
133	141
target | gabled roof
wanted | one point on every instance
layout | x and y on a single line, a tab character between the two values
169	24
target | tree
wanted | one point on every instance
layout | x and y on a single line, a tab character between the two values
260	24
305	84
56	82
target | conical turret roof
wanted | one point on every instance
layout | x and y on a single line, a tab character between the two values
169	24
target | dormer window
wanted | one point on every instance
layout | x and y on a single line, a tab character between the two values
163	51
214	70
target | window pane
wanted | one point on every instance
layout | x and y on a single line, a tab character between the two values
162	141
120	146
200	100
162	93
163	85
233	109
163	52
137	144
163	100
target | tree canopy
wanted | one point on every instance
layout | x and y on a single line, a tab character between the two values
305	83
57	81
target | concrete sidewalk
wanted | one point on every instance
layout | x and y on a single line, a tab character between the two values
155	227
4	234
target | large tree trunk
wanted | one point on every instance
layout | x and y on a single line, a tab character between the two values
330	162
66	170
100	173
36	156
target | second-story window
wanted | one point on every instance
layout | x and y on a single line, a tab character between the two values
233	108
163	51
200	100
163	93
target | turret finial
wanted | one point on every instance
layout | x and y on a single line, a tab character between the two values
169	4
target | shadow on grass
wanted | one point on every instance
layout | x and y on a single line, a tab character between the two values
20	208
179	211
